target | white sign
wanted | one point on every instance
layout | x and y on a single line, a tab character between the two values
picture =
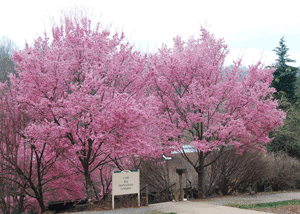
125	182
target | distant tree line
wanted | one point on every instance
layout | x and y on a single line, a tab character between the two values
7	66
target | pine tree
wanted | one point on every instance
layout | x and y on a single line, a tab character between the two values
285	76
285	81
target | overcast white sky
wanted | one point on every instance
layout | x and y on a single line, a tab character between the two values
250	27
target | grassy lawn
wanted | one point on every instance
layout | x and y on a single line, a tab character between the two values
291	206
266	205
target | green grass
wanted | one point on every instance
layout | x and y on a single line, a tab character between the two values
266	205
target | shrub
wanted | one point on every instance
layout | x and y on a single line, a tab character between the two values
233	172
285	171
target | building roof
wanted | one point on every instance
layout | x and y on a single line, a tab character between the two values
190	149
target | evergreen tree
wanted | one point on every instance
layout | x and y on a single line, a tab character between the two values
286	82
285	76
297	91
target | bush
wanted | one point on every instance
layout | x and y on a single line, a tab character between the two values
285	171
233	172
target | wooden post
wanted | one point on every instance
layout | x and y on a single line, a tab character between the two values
176	193
139	192
160	197
168	172
255	187
112	193
147	197
181	187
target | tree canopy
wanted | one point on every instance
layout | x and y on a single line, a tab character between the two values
212	108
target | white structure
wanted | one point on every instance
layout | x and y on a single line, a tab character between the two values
125	182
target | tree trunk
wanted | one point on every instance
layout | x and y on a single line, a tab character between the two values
88	181
39	197
41	203
3	206
200	184
21	203
89	187
200	171
96	193
40	187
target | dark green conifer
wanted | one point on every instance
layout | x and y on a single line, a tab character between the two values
285	76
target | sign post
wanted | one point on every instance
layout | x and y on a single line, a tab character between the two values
125	182
180	171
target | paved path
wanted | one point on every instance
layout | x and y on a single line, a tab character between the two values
253	199
188	207
212	205
185	207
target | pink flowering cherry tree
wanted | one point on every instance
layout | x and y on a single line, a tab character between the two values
85	93
211	108
12	122
36	169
